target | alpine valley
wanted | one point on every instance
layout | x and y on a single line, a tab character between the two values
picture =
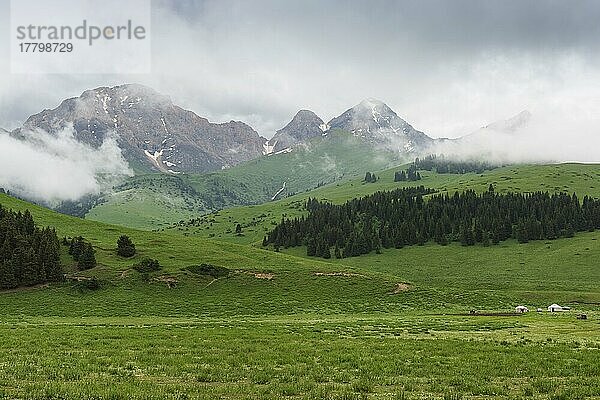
185	165
353	259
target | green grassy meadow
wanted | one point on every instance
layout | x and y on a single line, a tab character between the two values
394	325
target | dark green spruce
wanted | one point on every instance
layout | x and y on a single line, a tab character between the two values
125	247
29	255
415	216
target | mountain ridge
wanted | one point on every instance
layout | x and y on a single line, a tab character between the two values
156	135
152	132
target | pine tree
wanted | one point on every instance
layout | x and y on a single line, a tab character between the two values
569	231
478	234
29	268
466	237
496	235
311	248
485	240
521	233
6	250
76	247
8	279
337	252
125	247
87	259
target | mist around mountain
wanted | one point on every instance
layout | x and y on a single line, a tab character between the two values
51	169
152	132
526	138
90	143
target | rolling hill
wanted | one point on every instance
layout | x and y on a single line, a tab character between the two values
256	220
337	157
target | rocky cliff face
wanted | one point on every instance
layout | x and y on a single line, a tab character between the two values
153	133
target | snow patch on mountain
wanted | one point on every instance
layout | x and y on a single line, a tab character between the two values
279	192
268	148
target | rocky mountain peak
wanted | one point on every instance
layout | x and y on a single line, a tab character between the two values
374	106
512	124
152	132
304	126
375	121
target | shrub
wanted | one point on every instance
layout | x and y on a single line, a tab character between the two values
92	284
147	265
88	284
125	247
208	269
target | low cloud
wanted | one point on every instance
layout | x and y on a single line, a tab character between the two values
54	168
542	139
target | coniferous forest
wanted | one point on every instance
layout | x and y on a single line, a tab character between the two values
28	255
443	165
403	217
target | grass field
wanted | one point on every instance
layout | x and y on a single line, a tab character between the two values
343	358
280	325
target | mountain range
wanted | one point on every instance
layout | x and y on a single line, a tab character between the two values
152	132
187	165
156	135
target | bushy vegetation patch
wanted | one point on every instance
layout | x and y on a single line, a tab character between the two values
208	269
147	265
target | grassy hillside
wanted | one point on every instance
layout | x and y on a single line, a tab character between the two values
280	325
150	201
256	220
173	250
154	200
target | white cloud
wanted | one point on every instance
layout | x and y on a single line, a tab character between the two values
446	67
51	169
573	139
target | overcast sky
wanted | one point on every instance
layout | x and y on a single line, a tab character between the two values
447	67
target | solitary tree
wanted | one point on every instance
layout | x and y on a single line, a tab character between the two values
125	247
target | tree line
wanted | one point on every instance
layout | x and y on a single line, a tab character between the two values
404	217
443	165
28	254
